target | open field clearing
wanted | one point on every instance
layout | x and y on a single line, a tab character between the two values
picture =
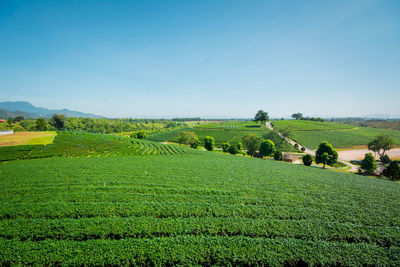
27	138
205	208
358	154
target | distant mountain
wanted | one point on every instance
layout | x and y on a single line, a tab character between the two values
4	114
381	116
31	111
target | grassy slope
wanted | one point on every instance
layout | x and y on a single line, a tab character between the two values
300	125
311	134
188	209
28	138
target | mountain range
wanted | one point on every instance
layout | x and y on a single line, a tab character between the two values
23	108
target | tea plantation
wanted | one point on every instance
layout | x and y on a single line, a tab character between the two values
187	209
74	144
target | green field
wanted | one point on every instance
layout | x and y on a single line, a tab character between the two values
246	125
205	208
303	125
223	135
311	134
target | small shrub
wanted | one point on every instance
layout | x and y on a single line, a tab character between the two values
385	159
392	171
307	160
233	150
240	148
278	155
225	147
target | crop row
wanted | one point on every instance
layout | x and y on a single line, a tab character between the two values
148	227
191	250
174	209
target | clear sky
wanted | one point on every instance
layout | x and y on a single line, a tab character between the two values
202	58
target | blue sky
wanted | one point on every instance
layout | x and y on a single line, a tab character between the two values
202	58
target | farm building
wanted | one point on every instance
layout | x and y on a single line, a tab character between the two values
289	157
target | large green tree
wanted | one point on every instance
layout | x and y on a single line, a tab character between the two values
252	142
209	143
267	148
381	143
326	154
297	116
261	116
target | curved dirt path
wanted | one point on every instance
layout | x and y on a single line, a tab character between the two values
353	168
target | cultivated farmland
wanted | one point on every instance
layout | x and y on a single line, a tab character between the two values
27	138
204	208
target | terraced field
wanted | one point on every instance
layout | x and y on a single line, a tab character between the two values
311	134
89	144
205	208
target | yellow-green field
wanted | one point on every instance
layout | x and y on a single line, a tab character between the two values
28	138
